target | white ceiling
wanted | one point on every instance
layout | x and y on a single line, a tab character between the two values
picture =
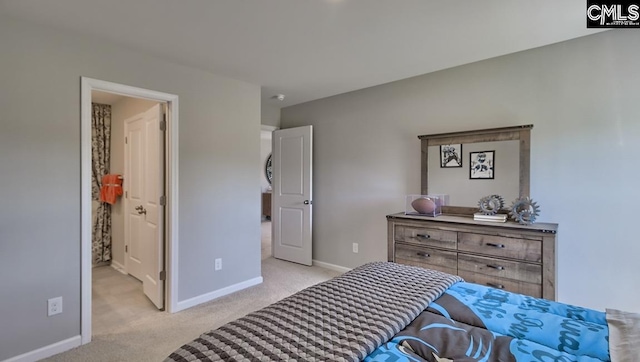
105	98
310	49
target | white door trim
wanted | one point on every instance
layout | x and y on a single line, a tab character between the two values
264	127
171	174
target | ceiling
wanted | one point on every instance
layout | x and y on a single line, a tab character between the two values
105	98
311	49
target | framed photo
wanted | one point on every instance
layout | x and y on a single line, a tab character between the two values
451	155
482	165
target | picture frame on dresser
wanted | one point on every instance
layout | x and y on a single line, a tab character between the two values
482	165
451	155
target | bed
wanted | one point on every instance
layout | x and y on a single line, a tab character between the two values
391	312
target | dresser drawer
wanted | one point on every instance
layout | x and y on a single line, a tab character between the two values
534	290
452	271
515	248
427	257
426	236
526	272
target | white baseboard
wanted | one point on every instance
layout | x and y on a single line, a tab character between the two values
185	304
117	266
47	351
339	268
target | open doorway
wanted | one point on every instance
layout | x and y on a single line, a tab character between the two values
122	128
165	195
266	177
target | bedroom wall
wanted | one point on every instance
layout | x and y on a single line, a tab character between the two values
270	114
219	193
582	97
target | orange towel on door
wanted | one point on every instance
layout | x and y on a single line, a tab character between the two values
111	188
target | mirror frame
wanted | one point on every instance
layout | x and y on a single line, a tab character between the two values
521	133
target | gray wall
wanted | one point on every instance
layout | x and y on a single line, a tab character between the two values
270	114
582	97
40	178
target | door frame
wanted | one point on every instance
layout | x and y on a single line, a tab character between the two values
171	187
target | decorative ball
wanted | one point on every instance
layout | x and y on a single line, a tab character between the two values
424	205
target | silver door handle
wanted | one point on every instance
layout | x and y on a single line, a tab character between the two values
308	202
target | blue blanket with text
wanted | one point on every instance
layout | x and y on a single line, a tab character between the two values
470	322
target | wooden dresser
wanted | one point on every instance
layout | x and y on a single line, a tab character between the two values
509	256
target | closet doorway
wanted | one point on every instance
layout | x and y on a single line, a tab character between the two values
128	280
131	242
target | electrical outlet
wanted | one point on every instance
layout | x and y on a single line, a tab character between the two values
54	306
355	248
218	264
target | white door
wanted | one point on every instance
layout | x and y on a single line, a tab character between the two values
292	192
133	185
144	186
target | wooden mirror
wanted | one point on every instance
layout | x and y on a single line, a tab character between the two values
516	173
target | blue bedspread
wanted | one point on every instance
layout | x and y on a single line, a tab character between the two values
470	322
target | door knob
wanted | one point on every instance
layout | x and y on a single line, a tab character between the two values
141	210
307	202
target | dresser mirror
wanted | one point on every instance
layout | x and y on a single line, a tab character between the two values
494	161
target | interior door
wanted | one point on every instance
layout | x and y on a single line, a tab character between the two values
134	194
292	194
145	212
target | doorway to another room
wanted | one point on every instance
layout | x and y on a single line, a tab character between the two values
127	169
266	177
129	185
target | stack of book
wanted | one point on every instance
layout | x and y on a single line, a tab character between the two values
494	218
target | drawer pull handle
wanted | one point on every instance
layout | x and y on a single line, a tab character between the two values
423	254
426	236
497	286
501	246
498	267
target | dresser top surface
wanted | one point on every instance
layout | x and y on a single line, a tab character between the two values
468	220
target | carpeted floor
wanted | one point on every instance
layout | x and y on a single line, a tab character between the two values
266	240
132	330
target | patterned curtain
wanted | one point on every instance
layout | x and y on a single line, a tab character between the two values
101	155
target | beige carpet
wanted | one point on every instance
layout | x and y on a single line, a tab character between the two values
128	328
266	239
118	300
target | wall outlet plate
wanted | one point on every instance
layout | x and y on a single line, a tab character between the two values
218	264
355	248
54	306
